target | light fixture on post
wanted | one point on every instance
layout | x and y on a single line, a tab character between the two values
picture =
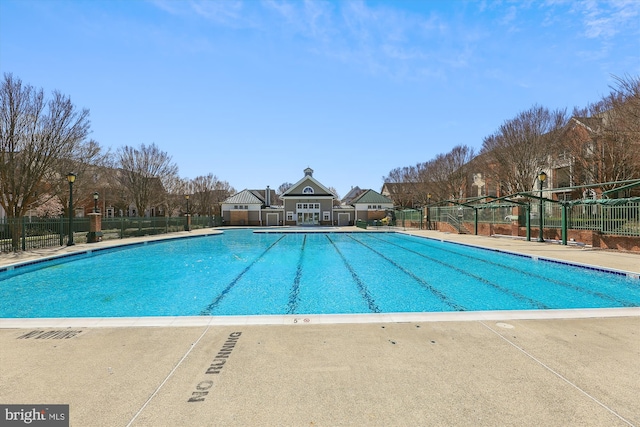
71	177
541	177
95	202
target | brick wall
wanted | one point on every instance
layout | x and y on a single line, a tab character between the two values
588	237
622	243
239	217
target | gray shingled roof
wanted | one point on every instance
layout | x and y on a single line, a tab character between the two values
371	197
245	197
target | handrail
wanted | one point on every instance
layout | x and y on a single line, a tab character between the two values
454	221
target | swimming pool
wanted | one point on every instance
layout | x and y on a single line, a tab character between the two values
244	273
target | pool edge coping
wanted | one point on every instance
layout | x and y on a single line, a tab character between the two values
316	319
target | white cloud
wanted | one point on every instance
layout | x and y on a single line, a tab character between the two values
509	17
381	39
221	11
606	19
229	13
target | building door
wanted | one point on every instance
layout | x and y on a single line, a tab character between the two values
343	219
308	214
308	218
272	219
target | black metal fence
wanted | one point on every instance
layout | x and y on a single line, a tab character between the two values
23	234
622	219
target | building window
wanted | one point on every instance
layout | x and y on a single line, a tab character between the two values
307	190
289	216
308	207
326	216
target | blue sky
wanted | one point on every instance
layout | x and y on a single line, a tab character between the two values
256	91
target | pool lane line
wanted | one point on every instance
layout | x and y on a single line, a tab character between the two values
371	303
442	296
295	289
564	284
539	305
209	308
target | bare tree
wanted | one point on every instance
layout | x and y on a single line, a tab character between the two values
620	145
602	141
35	135
208	192
522	146
402	184
430	180
444	177
626	95
90	164
283	188
336	201
448	173
143	173
335	192
173	201
222	191
202	194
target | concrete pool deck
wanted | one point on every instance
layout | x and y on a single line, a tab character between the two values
580	368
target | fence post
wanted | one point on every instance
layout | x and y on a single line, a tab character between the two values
122	227
527	209
24	237
564	224
476	220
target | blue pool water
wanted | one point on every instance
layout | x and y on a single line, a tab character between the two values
243	273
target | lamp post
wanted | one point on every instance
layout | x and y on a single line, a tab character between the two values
95	202
71	177
541	177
